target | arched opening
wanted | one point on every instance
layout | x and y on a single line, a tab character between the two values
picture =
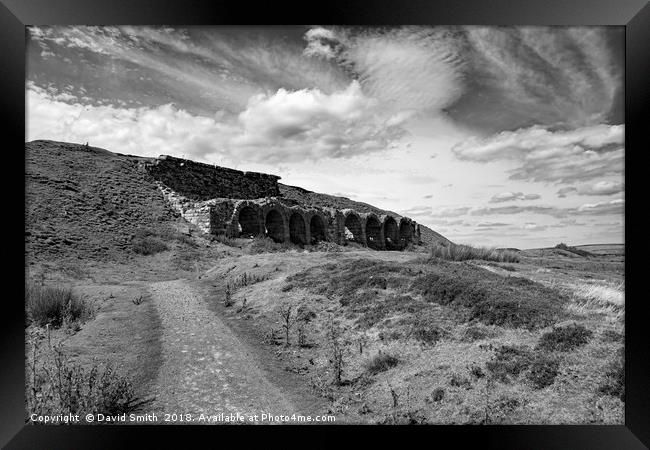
249	225
317	229
405	232
353	230
373	233
297	229
274	224
391	234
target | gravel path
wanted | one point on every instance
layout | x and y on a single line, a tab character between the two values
206	369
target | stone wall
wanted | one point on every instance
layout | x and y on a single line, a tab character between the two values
229	202
198	181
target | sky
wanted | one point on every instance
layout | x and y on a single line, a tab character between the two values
492	136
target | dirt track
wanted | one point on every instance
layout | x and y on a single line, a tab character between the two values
206	369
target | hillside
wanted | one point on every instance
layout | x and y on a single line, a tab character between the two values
309	198
87	202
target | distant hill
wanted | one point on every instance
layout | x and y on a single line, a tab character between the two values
89	202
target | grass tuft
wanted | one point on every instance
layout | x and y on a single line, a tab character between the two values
564	339
459	252
381	362
55	305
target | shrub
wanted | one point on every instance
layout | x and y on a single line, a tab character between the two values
509	362
381	362
460	381
459	252
577	251
437	394
614	383
264	244
148	245
564	339
55	305
59	386
491	298
542	371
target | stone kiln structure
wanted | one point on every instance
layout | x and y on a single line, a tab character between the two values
233	203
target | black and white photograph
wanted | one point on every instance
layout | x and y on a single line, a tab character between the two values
322	224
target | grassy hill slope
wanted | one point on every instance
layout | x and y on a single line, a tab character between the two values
87	202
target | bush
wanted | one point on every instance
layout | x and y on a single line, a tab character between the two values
460	381
59	386
511	361
564	339
55	305
577	251
437	394
490	298
614	384
148	245
458	252
381	362
543	371
264	244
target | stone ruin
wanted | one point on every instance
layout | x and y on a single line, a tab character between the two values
222	201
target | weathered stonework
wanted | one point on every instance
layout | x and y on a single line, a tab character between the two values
228	202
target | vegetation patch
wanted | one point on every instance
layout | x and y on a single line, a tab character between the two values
264	244
491	298
564	339
459	252
148	245
543	370
381	362
577	251
55	305
614	383
59	386
510	362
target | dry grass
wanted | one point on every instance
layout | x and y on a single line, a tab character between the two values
600	298
55	305
459	252
57	385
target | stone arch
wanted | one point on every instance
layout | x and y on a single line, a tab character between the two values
405	232
353	228
373	232
274	225
317	229
391	234
248	221
297	228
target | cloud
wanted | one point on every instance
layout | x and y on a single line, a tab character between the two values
551	156
283	127
551	75
599	188
410	68
562	193
509	196
492	224
309	124
534	227
602	208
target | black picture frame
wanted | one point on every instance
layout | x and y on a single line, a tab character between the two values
634	15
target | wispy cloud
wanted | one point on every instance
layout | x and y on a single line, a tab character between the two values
544	155
509	196
598	188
